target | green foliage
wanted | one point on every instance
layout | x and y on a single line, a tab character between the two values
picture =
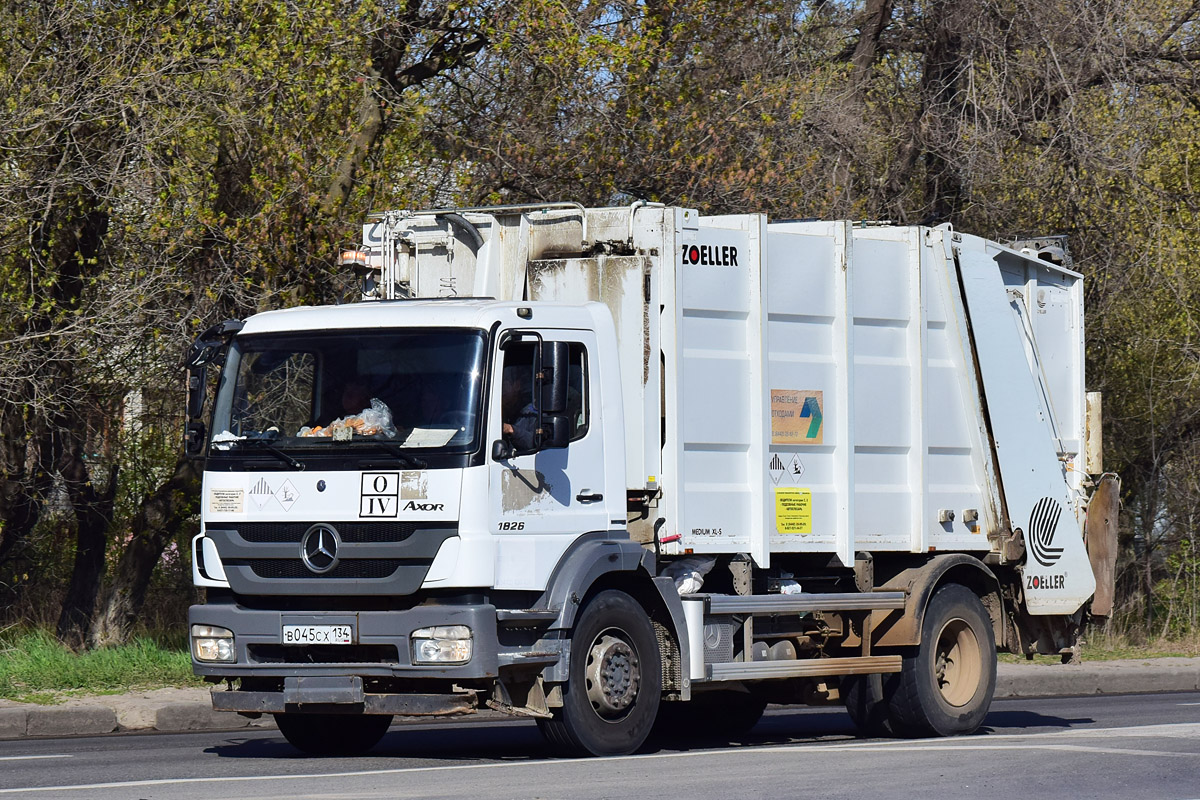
35	667
166	166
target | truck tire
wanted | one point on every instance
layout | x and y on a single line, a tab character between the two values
946	684
333	734
614	681
867	701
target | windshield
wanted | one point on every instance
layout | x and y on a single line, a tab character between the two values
410	389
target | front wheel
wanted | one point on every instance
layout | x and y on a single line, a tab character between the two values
614	680
946	685
333	734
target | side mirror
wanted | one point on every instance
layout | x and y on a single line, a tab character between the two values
194	435
197	388
501	450
555	369
556	431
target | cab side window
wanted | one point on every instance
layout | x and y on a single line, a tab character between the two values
518	409
578	402
518	413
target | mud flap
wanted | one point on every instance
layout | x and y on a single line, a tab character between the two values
1100	532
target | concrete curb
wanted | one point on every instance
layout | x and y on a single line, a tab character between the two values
180	710
14	722
70	721
21	722
200	717
1135	676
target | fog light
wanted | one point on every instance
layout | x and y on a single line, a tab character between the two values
210	643
445	644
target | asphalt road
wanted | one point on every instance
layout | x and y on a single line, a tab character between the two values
1144	747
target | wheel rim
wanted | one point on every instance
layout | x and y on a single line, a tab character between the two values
612	675
957	664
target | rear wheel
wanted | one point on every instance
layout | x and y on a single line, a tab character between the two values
614	682
946	685
333	734
866	698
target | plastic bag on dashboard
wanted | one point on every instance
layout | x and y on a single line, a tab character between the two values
376	420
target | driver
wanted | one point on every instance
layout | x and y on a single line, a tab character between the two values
356	397
517	410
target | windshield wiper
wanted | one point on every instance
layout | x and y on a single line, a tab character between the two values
404	458
264	443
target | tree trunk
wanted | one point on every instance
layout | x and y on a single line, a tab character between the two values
933	123
158	521
370	127
93	516
386	81
874	21
1148	520
23	488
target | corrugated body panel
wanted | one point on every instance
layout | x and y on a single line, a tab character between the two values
718	319
909	441
804	295
887	465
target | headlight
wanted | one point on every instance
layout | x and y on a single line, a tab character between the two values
445	644
210	643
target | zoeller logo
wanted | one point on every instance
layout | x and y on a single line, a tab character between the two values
1043	521
319	548
413	506
710	255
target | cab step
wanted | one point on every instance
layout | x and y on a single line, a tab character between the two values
513	616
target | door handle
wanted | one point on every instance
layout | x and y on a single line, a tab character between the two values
586	497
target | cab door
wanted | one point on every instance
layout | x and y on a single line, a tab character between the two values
541	502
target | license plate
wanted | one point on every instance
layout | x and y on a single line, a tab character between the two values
317	634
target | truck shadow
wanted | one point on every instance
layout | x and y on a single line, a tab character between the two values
803	726
506	741
520	740
1026	721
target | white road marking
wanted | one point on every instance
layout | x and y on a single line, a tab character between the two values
30	758
983	742
1035	746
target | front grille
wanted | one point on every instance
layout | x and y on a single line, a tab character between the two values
384	558
294	568
352	532
323	654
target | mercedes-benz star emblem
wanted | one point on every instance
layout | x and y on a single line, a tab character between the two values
319	548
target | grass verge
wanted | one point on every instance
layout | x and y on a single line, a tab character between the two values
36	668
1101	646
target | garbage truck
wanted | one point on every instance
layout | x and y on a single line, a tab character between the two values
634	468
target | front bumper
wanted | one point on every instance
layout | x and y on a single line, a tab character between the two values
341	695
380	650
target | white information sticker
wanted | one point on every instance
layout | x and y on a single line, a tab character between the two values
226	501
429	437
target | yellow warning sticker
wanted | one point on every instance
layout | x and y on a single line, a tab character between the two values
793	510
